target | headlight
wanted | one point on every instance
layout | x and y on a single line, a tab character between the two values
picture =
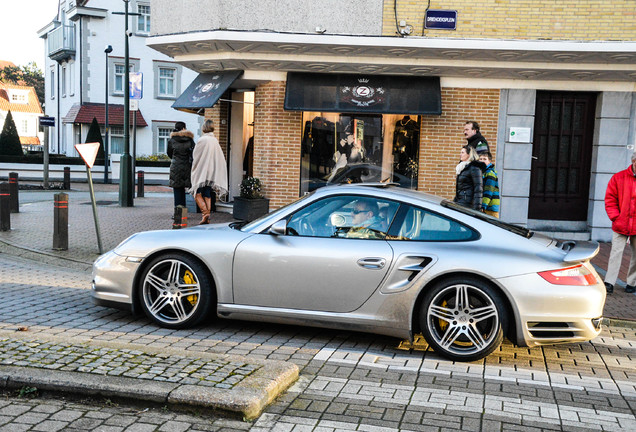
119	247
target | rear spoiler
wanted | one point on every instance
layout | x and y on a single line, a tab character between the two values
578	251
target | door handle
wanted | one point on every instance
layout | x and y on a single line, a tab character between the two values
372	263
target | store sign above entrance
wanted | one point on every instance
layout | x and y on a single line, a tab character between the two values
380	94
441	19
205	90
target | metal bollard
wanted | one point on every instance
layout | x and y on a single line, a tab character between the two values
180	219
67	178
5	207
13	192
60	222
140	184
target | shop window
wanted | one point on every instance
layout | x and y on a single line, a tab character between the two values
355	148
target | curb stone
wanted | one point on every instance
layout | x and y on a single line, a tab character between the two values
247	399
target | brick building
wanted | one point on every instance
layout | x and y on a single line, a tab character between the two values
551	84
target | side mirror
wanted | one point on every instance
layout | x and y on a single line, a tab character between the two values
278	228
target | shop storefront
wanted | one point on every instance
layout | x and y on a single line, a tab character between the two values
360	128
352	128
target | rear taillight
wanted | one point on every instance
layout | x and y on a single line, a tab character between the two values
577	275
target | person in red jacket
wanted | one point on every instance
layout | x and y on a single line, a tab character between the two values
620	205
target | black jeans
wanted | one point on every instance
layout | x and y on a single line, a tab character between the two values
179	196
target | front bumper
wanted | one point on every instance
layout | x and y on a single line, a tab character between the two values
113	280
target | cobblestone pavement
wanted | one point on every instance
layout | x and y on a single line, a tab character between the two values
348	382
131	363
47	414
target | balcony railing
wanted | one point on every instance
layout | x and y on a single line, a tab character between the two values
61	42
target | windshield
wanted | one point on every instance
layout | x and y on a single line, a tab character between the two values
486	218
245	226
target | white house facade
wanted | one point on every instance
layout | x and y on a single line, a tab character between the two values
78	70
25	109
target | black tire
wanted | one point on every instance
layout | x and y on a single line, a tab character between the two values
462	318
175	291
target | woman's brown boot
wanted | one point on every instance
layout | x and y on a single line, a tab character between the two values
205	210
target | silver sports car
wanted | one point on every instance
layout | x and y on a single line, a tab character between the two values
367	257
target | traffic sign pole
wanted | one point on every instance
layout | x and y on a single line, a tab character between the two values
88	152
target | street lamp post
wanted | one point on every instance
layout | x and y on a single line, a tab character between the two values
107	50
126	195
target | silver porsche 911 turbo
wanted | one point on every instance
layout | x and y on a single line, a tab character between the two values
367	257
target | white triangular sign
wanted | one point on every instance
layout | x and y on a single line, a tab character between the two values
88	152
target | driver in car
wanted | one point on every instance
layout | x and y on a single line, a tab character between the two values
367	222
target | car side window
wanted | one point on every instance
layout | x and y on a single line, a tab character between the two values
346	216
423	225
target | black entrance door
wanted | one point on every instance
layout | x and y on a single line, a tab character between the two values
561	156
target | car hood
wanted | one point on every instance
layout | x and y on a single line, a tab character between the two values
145	243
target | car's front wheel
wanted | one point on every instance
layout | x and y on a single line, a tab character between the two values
175	291
462	319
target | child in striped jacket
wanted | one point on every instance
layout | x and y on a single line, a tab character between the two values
490	200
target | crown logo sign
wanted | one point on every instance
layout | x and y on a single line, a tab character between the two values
363	80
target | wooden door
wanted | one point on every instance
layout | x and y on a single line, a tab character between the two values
561	156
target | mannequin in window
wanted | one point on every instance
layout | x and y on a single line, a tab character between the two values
406	139
319	140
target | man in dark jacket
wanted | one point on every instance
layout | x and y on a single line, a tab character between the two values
475	138
620	205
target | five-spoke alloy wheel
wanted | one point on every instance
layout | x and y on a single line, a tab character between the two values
175	291
462	319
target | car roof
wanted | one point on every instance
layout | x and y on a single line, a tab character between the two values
386	190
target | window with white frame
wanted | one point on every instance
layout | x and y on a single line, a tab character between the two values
167	78
18	97
163	135
143	19
52	84
117	74
71	78
24	127
116	134
120	70
63	81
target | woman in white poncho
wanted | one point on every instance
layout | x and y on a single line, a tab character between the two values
209	172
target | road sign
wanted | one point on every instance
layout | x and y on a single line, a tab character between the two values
134	104
47	121
441	19
88	152
136	85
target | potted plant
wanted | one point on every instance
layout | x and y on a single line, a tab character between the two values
251	204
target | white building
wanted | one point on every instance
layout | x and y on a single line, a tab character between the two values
78	69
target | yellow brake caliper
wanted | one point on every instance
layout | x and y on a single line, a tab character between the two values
443	324
188	278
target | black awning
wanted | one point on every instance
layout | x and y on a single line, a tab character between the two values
205	90
383	94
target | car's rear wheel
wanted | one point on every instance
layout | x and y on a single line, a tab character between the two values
462	319
175	291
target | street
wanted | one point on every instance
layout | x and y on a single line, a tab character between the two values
348	381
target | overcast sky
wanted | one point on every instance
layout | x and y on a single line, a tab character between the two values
21	19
